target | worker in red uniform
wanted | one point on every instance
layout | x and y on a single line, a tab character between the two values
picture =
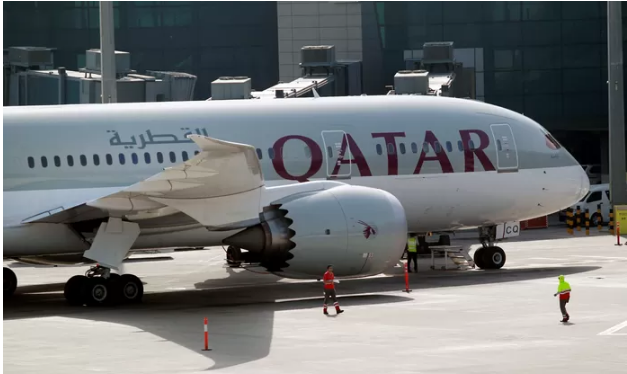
329	291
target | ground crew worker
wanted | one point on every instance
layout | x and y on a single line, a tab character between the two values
329	291
563	289
412	253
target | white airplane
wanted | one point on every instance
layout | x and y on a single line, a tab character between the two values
297	183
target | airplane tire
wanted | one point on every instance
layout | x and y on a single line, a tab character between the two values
130	289
494	258
233	256
96	291
72	289
478	258
9	282
115	289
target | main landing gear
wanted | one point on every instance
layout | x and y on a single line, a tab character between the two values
489	256
101	287
233	256
9	282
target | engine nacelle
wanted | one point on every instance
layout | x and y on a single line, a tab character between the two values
361	231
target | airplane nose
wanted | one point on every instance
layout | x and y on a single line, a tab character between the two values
585	183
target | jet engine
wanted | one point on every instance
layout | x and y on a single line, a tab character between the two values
361	231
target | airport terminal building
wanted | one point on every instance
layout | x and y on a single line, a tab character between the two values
547	60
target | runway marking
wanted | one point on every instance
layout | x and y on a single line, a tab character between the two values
604	257
531	266
612	330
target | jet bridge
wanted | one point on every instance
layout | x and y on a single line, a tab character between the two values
321	73
301	87
436	74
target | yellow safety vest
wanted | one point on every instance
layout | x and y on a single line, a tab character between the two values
411	245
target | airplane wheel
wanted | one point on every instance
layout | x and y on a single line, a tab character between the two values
96	291
478	258
9	282
233	256
115	289
130	289
494	258
72	290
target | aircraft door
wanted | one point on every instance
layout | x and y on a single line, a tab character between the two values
506	151
337	154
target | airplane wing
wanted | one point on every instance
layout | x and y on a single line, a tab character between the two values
219	187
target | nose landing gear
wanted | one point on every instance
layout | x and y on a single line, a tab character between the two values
489	256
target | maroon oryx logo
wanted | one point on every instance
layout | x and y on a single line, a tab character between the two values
369	230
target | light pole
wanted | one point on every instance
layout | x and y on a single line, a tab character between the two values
108	81
616	110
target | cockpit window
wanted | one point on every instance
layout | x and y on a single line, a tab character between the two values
551	142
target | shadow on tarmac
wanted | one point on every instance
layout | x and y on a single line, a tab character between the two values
241	319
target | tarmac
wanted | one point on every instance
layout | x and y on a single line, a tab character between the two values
473	321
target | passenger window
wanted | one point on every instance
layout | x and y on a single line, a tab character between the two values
595	196
134	158
460	145
147	157
96	160
172	157
109	159
185	158
31	162
379	149
414	147
498	145
70	161
438	147
329	152
83	159
391	149
271	153
122	159
402	148
57	161
259	154
44	161
160	157
425	147
449	146
471	145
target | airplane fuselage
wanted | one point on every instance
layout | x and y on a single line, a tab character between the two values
453	164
